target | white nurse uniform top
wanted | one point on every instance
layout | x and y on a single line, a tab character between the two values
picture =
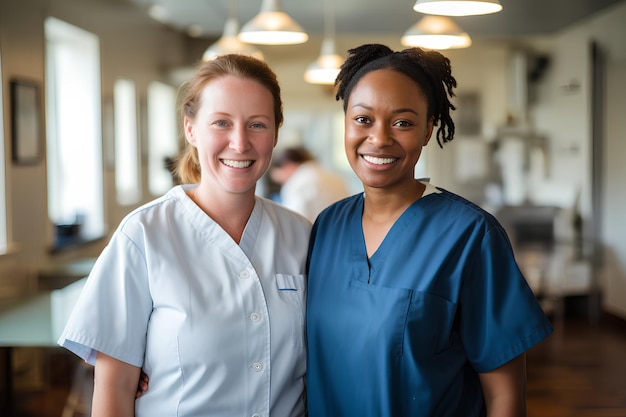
218	327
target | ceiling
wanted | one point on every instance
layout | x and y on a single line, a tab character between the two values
358	17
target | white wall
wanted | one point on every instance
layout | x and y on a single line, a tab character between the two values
562	114
569	120
613	218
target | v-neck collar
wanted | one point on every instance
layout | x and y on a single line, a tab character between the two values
251	231
215	234
359	249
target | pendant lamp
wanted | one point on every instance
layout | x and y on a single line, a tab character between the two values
158	12
229	43
272	26
457	7
325	68
436	32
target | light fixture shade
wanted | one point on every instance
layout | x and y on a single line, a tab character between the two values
229	43
272	26
325	68
436	32
457	7
158	13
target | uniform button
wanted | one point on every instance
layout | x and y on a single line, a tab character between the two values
244	274
256	415
255	317
257	366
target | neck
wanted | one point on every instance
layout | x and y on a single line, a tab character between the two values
382	205
231	211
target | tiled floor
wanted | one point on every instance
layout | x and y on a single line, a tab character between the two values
579	371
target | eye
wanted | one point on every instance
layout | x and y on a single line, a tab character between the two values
221	123
403	123
257	125
362	119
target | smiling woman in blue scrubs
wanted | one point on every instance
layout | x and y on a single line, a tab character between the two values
416	305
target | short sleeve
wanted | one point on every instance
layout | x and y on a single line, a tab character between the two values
113	310
500	317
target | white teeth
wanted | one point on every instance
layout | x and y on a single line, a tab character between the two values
236	164
378	161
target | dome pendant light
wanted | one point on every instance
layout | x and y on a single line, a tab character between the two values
457	7
325	68
229	43
272	26
436	32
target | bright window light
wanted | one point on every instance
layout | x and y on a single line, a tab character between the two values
3	200
162	137
73	132
127	173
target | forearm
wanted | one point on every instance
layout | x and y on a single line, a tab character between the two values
109	403
115	386
505	389
505	406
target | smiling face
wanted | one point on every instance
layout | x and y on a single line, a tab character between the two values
386	126
234	132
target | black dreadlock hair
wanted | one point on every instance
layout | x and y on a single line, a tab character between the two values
429	69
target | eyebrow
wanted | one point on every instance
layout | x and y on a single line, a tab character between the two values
252	116
396	111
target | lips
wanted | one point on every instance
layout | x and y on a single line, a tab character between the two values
379	161
236	164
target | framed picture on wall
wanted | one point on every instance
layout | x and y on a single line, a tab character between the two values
26	133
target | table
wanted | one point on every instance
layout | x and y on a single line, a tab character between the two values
59	275
33	321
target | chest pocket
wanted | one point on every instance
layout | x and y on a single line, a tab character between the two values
286	282
429	324
292	291
382	314
398	318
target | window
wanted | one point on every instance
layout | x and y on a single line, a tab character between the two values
162	138
73	131
127	177
3	213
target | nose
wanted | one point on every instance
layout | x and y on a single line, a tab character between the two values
239	139
380	135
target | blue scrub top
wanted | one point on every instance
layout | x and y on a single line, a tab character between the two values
406	332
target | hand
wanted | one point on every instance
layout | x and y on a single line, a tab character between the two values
142	385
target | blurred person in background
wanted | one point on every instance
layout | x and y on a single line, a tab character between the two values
305	186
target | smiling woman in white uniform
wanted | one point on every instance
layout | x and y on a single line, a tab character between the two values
204	288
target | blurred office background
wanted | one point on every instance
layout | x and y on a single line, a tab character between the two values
88	120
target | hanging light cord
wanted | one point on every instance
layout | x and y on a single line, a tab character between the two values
329	20
233	10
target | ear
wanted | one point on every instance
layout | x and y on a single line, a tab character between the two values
189	131
429	130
